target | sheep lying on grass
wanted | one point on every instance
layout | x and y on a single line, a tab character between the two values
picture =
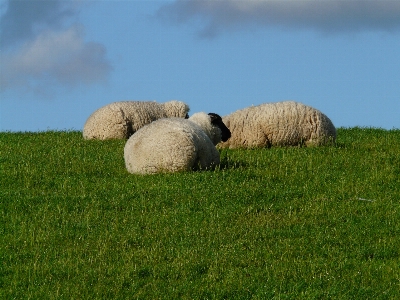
286	123
174	144
119	120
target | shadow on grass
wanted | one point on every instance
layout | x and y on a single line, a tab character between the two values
229	163
341	145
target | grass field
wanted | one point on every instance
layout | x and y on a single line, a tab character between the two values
279	223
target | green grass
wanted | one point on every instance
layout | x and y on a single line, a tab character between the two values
279	223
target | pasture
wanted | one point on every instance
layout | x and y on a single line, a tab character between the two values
278	223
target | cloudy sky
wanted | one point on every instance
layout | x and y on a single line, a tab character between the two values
63	59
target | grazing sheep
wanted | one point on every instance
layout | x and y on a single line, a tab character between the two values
174	144
119	120
286	123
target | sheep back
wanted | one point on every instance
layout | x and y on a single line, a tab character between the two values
119	120
286	123
169	145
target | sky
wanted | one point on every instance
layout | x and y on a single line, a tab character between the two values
60	60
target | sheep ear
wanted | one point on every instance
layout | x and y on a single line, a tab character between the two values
215	118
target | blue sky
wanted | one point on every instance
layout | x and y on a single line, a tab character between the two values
61	60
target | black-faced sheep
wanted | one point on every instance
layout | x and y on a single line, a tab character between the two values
175	144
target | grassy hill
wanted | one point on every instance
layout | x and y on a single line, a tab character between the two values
279	223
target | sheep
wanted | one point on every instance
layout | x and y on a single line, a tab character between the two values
285	123
119	120
174	144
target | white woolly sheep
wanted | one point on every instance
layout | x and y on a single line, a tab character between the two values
286	123
119	120
175	144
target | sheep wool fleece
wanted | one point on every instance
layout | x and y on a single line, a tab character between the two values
285	123
119	120
173	145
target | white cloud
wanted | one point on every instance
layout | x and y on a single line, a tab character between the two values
55	56
23	19
323	15
42	45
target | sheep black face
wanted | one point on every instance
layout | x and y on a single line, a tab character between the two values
217	121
